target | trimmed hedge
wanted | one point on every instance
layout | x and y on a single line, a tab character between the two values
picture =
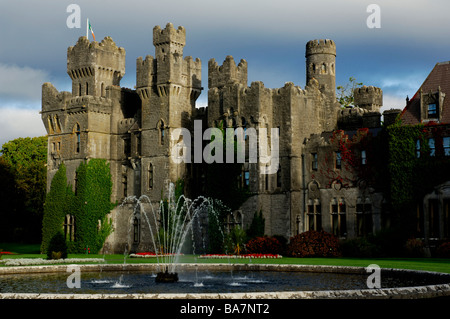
264	245
314	243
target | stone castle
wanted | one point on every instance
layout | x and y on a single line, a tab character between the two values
132	128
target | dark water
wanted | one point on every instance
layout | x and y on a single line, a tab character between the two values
204	282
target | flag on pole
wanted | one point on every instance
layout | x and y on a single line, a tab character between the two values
89	28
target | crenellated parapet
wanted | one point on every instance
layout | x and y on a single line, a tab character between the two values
85	57
83	104
93	66
368	97
168	73
228	73
176	38
322	46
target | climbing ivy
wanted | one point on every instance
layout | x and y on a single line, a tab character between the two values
90	206
413	172
56	206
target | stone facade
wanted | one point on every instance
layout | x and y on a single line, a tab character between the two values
132	130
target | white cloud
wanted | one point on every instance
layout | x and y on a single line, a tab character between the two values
21	83
19	122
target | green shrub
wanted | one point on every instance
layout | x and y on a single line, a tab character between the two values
414	248
264	245
256	228
443	250
235	241
314	244
57	247
359	247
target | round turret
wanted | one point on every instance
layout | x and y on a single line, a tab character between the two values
320	65
322	46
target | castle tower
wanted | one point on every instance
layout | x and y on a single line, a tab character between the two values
168	86
93	66
369	98
321	65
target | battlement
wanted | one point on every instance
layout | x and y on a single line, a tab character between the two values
145	71
229	72
89	103
352	118
368	97
86	54
322	46
169	35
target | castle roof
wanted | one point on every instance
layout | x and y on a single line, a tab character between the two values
438	77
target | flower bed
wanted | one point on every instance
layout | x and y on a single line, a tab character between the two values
241	256
6	253
151	254
41	261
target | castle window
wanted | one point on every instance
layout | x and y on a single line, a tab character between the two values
432	110
324	68
418	148
150	176
314	216
138	144
446	145
338	218
246	178
136	230
69	227
78	138
338	163
87	88
161	133
125	185
279	176
103	93
363	157
79	89
314	161
432	146
364	221
127	147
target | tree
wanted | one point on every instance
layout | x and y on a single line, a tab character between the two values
24	160
344	94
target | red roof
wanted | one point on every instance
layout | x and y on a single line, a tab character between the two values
439	76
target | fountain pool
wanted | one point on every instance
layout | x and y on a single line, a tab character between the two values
219	281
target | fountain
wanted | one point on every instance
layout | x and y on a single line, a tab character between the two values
170	224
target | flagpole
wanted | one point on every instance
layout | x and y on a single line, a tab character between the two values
87	28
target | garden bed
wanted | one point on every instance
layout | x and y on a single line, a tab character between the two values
224	256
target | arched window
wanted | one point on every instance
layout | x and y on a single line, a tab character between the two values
102	92
78	138
161	132
324	68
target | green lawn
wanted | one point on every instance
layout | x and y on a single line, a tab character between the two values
428	264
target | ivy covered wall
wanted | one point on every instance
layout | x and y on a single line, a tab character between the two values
90	205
